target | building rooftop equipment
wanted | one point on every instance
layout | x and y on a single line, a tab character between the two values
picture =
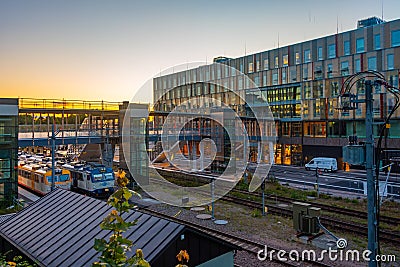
369	22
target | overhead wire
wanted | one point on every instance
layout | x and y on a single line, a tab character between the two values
348	83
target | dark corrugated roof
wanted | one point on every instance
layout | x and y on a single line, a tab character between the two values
60	228
5	217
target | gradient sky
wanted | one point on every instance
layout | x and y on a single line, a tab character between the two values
106	50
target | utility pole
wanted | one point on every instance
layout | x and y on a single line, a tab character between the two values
263	197
53	148
371	188
317	170
212	198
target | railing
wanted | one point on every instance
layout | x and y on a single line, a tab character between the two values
32	103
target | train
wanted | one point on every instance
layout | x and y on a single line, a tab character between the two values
91	179
38	178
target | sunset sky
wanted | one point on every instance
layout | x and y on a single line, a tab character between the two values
105	50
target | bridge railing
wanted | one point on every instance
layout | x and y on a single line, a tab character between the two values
32	103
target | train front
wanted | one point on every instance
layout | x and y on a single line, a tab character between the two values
103	180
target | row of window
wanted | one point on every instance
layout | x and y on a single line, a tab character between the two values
331	52
286	75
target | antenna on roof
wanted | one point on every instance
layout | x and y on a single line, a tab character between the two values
337	24
278	39
382	9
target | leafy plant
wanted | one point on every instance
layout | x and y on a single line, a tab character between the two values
18	261
182	256
113	251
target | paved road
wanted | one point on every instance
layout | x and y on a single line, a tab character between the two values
353	181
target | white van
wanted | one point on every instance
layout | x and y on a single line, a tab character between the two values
324	164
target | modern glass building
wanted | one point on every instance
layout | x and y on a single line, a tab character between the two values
301	83
8	150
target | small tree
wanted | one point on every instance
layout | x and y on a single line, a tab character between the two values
113	251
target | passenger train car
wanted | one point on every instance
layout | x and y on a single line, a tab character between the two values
91	178
39	178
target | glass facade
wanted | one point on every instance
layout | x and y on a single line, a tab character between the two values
304	80
8	151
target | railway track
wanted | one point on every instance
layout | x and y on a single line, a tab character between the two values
329	208
245	244
390	237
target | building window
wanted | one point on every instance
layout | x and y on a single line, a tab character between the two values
257	65
318	90
360	45
346	48
395	38
307	56
257	80
218	73
305	73
320	57
377	41
357	65
360	87
283	75
264	79
297	58
317	108
266	64
394	80
344	68
305	109
293	75
331	51
390	61
276	62
329	71
334	89
285	59
251	67
307	91
318	72
274	78
372	63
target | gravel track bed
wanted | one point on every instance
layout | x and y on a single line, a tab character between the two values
273	231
